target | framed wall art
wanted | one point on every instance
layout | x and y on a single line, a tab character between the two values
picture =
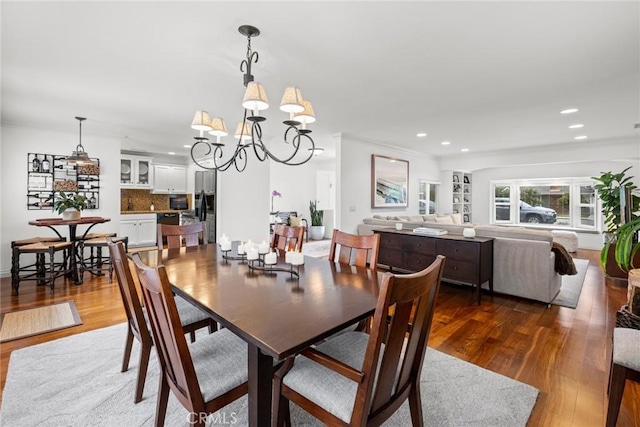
389	182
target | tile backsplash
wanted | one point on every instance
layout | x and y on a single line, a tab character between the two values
142	200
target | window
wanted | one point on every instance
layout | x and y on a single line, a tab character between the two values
427	197
566	202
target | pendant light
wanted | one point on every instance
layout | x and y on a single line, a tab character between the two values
79	156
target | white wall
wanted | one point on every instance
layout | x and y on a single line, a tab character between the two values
16	143
353	180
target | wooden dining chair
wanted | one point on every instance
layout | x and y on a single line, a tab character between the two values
361	251
287	238
191	317
175	234
204	377
353	379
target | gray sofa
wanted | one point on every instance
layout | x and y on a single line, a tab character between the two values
523	263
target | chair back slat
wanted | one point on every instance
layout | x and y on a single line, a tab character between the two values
361	251
130	296
287	238
173	352
412	299
176	234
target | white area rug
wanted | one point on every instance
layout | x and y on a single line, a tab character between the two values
572	285
316	248
76	381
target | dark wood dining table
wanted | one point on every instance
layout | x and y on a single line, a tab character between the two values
91	221
276	314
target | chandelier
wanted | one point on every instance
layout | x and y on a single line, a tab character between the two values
79	156
249	132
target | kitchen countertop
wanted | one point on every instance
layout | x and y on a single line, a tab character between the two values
157	211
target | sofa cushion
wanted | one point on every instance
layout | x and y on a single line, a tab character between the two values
444	219
415	218
429	218
514	233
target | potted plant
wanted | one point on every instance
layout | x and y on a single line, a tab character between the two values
68	204
316	230
611	189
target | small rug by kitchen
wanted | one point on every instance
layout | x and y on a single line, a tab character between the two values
317	248
572	285
34	321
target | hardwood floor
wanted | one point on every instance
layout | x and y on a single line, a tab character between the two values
563	352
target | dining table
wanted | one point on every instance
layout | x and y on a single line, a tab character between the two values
73	224
278	314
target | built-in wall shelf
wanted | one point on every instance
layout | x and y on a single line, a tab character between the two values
462	189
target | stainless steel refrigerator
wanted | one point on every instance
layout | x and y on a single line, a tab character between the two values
205	201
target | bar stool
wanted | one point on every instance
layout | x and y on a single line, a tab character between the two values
40	270
36	266
95	263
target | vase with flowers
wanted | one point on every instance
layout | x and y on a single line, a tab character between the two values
273	213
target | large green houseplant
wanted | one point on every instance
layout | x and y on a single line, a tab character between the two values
316	230
612	188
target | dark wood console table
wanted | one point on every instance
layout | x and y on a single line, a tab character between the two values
469	260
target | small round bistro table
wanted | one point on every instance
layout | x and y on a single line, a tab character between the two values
91	221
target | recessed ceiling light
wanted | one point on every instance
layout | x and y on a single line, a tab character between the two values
445	142
576	126
581	137
421	135
171	152
569	111
186	146
464	150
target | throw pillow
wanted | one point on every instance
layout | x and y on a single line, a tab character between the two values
414	218
429	218
457	218
297	221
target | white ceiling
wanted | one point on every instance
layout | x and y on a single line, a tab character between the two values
483	75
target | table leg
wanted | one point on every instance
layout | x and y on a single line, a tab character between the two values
73	263
260	377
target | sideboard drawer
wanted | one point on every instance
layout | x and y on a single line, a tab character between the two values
419	245
457	250
417	262
460	270
388	257
391	241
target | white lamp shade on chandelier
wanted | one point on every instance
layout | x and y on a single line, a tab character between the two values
307	115
201	121
255	97
243	131
218	127
292	100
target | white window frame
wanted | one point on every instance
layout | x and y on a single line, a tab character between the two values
574	185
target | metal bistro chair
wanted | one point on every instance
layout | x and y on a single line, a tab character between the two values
191	317
175	234
358	379
205	376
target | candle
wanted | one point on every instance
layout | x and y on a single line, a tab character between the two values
270	258
297	258
252	254
241	248
263	248
225	245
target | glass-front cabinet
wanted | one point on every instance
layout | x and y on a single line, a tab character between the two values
135	171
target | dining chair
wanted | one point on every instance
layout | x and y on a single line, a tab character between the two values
361	379
204	377
191	317
361	251
625	364
287	238
176	233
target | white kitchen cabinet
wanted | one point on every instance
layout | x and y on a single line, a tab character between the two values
325	190
140	228
169	179
135	171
